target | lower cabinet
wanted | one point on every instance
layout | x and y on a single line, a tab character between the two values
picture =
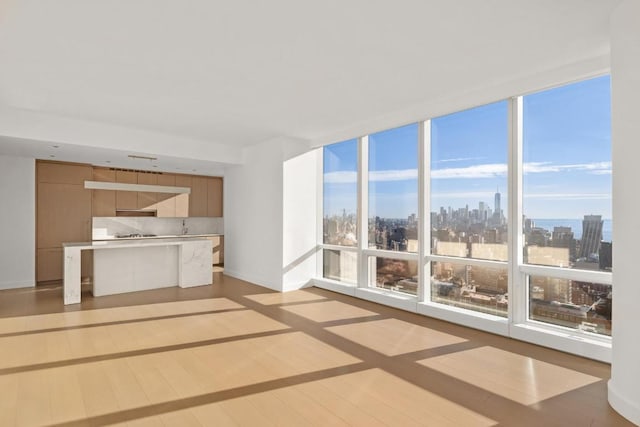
50	265
217	243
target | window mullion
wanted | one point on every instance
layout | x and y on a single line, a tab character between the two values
518	301
363	208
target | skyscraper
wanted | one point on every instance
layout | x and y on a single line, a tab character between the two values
497	213
591	235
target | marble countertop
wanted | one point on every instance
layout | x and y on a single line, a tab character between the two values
136	242
168	236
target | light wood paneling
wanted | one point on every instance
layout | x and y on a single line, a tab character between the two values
127	199
49	264
63	173
104	201
147	200
64	214
64	210
183	200
166	202
214	197
217	243
198	199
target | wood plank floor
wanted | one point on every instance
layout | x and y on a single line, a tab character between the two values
237	354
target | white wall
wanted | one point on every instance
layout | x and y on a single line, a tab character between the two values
270	215
624	386
299	220
253	216
17	222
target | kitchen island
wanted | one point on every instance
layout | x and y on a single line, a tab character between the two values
138	264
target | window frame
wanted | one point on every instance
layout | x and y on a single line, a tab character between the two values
517	324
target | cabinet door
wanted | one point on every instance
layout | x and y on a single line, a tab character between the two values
63	173
127	199
166	202
182	200
64	214
214	197
217	243
198	199
104	201
147	200
49	264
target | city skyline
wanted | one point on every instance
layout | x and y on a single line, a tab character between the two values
566	159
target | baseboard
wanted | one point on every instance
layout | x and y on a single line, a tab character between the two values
251	279
622	405
17	285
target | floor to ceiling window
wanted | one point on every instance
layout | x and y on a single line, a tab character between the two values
468	217
567	204
340	214
392	209
501	212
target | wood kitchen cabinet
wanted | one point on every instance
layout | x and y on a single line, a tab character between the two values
182	200
104	201
126	199
214	197
63	215
147	200
217	243
198	199
166	202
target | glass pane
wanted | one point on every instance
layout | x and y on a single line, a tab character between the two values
340	188
393	189
482	289
394	274
340	265
469	183
567	176
579	305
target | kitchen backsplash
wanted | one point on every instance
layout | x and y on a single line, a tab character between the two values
109	227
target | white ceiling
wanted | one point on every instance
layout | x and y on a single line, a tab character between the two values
207	76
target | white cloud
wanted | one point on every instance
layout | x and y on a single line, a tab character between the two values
393	175
465	195
459	159
542	167
341	177
489	170
569	196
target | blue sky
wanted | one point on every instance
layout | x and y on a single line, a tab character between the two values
567	158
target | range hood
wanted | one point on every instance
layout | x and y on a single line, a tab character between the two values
121	186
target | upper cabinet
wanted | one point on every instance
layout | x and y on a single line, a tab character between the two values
214	196
126	199
147	200
166	202
104	201
198	197
205	199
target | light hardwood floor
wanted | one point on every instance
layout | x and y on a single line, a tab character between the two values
238	354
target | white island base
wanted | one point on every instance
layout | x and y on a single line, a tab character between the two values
131	266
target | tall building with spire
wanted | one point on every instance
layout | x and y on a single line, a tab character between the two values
497	213
591	235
